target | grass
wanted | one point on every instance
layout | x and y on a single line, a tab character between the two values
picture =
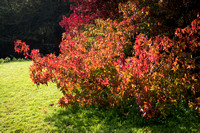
20	102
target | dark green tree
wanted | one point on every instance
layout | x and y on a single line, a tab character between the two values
35	21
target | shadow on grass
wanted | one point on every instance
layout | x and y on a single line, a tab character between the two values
95	119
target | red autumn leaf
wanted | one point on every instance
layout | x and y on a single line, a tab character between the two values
51	104
67	124
45	111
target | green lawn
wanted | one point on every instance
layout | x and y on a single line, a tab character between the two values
22	107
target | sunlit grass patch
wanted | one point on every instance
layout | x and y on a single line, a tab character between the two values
20	99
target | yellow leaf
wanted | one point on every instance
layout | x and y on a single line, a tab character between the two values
152	88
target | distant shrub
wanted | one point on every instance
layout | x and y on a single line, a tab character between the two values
14	59
20	59
7	59
2	60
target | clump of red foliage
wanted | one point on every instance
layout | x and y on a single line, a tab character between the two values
93	68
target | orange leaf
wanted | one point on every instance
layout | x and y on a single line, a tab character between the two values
45	111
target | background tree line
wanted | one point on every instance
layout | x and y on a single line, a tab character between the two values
33	21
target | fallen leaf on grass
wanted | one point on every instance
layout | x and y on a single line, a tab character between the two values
67	124
51	104
45	111
125	113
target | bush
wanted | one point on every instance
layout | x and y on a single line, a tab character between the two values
97	65
7	59
14	59
2	60
20	59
